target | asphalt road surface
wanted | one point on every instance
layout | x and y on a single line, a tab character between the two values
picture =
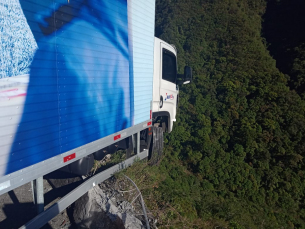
17	207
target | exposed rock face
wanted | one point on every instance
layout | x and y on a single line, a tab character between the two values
96	209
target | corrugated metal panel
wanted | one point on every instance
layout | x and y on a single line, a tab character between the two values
143	19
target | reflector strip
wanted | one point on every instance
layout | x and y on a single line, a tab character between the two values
147	124
117	137
70	157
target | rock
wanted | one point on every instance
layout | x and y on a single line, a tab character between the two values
95	209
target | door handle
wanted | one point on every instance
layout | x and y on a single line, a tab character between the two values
161	101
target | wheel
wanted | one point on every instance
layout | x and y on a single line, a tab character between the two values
156	145
80	167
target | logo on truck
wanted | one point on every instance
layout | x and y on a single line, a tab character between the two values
167	97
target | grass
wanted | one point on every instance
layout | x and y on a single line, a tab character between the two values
168	206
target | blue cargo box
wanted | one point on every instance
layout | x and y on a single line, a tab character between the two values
74	75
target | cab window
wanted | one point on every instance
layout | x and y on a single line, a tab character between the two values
169	68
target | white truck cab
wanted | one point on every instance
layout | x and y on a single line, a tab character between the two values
165	84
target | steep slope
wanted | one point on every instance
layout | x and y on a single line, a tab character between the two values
240	129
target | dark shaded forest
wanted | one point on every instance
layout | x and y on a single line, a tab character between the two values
284	30
235	158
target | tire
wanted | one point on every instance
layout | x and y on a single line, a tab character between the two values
80	167
156	145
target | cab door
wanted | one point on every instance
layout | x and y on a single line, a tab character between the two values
168	87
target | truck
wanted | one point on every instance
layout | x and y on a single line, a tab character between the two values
78	80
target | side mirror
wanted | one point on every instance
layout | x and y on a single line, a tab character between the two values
188	76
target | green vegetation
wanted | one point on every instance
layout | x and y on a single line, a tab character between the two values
235	156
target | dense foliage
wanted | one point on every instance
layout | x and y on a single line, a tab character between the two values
238	145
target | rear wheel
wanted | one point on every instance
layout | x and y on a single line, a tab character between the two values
156	145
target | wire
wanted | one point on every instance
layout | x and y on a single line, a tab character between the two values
142	202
